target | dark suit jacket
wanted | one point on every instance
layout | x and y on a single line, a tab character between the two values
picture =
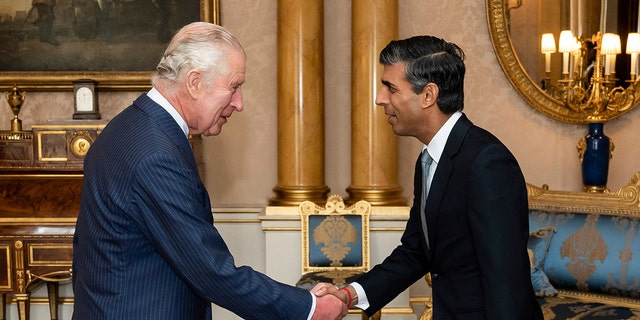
477	216
145	246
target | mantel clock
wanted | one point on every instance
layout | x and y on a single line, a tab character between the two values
85	99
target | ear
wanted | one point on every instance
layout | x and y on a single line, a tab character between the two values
429	95
194	83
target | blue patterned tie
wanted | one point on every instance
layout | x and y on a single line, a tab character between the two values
426	163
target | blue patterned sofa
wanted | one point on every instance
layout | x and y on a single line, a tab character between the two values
585	252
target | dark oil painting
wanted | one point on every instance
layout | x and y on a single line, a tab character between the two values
89	35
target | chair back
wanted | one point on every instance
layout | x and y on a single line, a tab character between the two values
335	237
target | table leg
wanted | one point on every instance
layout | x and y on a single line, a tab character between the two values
3	307
22	299
52	288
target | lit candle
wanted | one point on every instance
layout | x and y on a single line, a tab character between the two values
567	45
633	48
547	46
610	47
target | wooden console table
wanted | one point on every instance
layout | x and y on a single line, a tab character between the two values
41	174
40	184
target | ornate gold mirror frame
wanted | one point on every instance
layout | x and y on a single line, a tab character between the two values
522	82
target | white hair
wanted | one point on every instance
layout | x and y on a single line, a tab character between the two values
198	45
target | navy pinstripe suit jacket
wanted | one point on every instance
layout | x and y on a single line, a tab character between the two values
145	246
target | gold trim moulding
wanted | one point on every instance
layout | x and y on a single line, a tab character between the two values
398	310
230	221
377	212
386	229
15	136
419	299
39	300
235	210
7	249
38	221
276	229
40	175
594	297
624	202
33	261
77	124
389	311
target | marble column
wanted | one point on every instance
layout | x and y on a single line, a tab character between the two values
300	103
374	147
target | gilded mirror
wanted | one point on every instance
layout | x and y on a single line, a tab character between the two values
517	44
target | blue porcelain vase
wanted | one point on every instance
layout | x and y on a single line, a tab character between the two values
595	152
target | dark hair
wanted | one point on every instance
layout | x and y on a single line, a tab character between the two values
430	60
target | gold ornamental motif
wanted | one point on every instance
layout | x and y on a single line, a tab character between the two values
79	143
335	233
15	100
583	248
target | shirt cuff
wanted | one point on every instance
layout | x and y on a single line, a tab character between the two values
313	306
363	302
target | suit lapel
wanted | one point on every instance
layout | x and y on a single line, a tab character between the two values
441	177
168	126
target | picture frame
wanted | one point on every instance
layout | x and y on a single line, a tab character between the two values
110	75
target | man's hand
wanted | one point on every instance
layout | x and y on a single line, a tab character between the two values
329	307
346	294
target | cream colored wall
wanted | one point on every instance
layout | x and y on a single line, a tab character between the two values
241	163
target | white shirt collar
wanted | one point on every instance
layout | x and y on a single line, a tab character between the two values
436	145
158	98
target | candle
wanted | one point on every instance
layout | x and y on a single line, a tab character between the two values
633	48
566	46
547	46
547	62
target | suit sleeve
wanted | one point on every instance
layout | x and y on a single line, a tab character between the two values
403	267
172	209
498	214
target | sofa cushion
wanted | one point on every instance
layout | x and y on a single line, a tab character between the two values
539	241
537	247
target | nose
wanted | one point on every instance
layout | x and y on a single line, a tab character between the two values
237	100
381	97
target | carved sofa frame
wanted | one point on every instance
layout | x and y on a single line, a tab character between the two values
593	258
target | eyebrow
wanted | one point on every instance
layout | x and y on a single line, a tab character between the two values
388	84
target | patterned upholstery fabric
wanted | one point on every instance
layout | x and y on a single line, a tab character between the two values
335	240
591	254
538	246
559	309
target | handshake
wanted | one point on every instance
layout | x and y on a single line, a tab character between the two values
332	302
